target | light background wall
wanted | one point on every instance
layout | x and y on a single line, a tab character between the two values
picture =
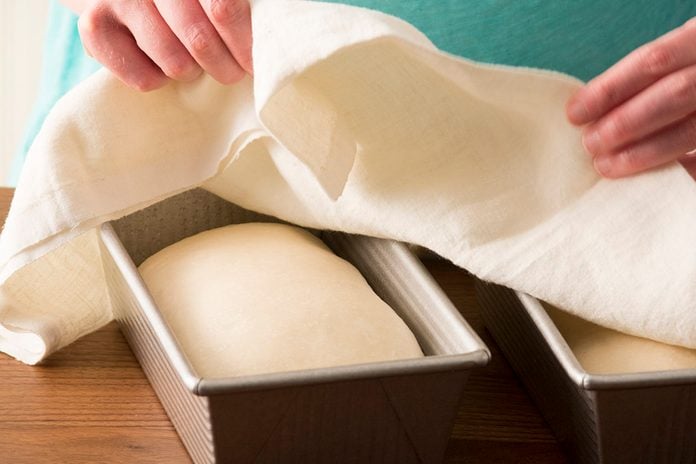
22	28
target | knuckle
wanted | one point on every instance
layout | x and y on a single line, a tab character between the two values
226	12
92	22
605	91
146	10
178	68
691	23
631	160
86	25
619	128
682	87
200	40
658	60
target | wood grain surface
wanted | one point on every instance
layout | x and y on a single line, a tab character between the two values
91	403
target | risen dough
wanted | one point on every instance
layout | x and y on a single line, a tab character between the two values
604	351
259	298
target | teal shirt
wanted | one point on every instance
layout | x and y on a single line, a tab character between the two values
578	37
64	65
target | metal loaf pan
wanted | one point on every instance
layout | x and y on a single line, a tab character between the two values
398	411
609	419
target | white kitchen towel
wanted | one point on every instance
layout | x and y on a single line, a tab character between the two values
354	122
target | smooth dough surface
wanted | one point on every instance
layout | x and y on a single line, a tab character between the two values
604	351
259	298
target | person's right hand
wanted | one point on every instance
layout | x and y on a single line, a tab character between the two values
145	42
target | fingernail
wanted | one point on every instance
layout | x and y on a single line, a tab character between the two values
603	165
577	113
591	142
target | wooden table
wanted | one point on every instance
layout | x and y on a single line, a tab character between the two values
91	403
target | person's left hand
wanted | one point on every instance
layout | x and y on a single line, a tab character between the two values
641	112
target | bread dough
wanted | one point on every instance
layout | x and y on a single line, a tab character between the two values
259	297
604	351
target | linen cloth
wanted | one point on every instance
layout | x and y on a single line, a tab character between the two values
354	121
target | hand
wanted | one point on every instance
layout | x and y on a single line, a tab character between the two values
145	42
641	113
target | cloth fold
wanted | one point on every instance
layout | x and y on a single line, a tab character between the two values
354	121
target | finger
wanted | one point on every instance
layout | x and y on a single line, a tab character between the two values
667	145
232	19
111	44
190	24
669	100
156	39
689	163
639	69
